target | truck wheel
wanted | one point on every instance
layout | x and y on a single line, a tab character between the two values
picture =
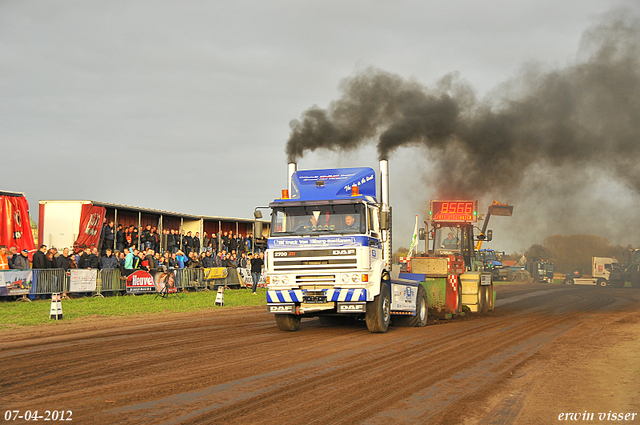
602	282
378	313
570	281
287	322
422	312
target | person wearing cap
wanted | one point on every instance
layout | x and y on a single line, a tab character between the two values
4	260
450	241
22	261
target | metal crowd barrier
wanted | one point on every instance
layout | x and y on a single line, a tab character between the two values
109	281
189	278
48	281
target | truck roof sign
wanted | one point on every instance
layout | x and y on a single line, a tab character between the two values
333	183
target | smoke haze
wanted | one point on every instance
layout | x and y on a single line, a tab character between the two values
546	133
586	113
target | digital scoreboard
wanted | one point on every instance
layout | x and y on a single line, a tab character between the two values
454	211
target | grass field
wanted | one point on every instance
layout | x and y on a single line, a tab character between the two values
37	312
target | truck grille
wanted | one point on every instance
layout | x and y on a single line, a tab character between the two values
297	261
329	279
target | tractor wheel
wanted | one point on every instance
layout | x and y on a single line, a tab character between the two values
510	275
422	312
459	309
378	315
287	322
485	299
480	299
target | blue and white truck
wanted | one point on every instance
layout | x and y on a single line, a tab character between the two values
329	252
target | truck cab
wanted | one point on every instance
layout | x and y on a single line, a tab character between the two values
605	271
540	271
329	252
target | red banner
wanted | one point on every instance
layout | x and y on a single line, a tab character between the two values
15	224
91	220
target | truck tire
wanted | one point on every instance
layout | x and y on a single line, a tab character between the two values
287	322
378	315
422	312
602	282
570	281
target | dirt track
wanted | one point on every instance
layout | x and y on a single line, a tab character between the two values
546	350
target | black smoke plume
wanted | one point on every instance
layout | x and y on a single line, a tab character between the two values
585	115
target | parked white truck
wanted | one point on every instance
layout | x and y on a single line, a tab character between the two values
604	271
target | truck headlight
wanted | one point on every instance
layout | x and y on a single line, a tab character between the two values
275	280
284	280
355	278
345	278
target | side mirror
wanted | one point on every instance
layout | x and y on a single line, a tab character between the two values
489	235
257	214
384	220
422	234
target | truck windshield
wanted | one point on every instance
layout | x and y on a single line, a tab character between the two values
319	219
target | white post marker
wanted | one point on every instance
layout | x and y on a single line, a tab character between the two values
220	296
56	307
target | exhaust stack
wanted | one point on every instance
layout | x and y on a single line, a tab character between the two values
386	209
292	167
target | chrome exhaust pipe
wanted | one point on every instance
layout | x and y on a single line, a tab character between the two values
292	167
386	208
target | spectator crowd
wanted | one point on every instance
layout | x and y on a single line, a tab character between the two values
146	251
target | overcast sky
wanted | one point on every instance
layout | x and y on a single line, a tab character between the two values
185	106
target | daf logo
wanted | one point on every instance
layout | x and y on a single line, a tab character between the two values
346	308
343	251
280	309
